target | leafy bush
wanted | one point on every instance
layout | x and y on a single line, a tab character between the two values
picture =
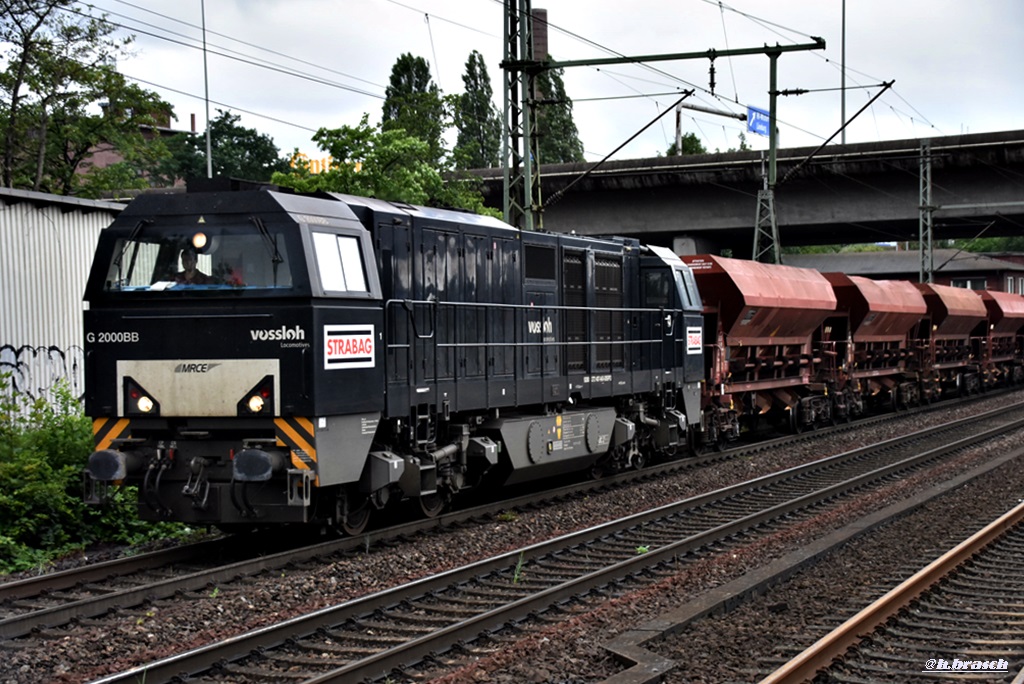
44	446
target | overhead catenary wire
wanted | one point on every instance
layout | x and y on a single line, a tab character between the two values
725	35
247	59
701	92
433	50
244	60
169	18
558	195
221	104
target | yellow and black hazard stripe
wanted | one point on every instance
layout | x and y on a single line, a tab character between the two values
106	430
299	436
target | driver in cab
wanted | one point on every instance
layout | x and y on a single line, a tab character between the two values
190	274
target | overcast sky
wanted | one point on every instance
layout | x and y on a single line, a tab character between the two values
288	67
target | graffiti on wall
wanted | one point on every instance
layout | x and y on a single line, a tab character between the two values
36	371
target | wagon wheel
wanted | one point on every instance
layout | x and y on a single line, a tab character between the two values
794	420
851	400
711	432
721	441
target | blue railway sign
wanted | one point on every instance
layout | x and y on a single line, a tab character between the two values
757	120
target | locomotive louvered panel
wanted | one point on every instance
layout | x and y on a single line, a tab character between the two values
608	324
449	290
473	325
574	284
506	281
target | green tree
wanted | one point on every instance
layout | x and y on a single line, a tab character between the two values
691	144
414	104
58	66
127	124
558	138
236	151
388	164
744	146
477	119
44	444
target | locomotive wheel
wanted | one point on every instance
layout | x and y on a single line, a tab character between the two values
357	518
356	522
432	504
638	459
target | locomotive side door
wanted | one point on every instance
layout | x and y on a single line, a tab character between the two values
660	329
431	327
669	287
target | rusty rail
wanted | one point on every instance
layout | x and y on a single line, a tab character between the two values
826	650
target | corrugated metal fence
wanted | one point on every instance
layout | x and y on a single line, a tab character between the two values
46	246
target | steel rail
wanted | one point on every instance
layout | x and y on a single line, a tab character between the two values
833	645
66	579
272	636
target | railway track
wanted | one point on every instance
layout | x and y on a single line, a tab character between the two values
55	599
960	617
373	636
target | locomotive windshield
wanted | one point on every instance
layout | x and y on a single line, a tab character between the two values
211	258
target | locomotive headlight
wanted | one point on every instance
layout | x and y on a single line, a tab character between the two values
259	400
137	401
199	241
256	403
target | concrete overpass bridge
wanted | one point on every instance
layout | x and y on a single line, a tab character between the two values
865	192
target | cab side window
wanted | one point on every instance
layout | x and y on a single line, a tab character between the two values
340	262
657	289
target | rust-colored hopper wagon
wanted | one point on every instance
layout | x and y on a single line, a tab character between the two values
944	351
760	321
1000	339
869	340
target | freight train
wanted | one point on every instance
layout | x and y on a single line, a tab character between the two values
259	357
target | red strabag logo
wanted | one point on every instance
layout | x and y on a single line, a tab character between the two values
348	346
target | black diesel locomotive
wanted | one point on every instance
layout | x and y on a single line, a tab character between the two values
260	357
